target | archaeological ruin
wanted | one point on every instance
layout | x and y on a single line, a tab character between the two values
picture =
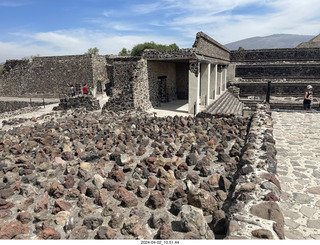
114	171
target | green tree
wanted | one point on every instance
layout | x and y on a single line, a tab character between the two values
30	57
138	49
1	70
240	48
94	51
124	52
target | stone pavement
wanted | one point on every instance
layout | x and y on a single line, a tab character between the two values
297	136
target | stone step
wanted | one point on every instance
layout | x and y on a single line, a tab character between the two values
216	106
227	103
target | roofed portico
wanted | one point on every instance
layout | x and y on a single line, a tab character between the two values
198	74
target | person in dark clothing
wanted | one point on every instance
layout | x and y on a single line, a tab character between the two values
308	98
73	91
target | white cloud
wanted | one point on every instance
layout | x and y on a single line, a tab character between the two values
70	42
181	20
216	18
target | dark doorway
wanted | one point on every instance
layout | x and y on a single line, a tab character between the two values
163	95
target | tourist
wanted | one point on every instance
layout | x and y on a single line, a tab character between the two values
90	91
308	98
85	89
73	91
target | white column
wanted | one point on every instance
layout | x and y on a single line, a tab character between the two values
208	87
198	93
215	81
194	92
204	83
221	81
225	78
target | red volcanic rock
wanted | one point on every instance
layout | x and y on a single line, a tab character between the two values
11	230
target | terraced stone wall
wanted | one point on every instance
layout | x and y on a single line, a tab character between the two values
273	55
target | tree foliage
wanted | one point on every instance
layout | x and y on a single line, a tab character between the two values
124	52
30	57
94	51
1	70
240	48
138	49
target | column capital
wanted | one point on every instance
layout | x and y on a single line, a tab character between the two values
194	67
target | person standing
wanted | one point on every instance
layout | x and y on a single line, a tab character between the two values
85	89
73	91
308	98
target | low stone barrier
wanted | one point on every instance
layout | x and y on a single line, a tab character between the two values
6	106
253	209
88	102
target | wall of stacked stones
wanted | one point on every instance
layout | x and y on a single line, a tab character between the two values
279	71
208	47
254	210
6	106
278	88
273	55
130	88
99	73
48	76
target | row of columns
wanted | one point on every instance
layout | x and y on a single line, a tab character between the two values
206	83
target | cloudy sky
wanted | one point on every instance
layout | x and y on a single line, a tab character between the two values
64	27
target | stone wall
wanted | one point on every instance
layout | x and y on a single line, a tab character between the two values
100	74
6	106
254	211
88	102
52	76
130	84
278	88
273	55
290	71
208	47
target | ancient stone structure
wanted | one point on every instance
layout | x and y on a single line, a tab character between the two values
88	102
197	74
53	76
289	70
313	43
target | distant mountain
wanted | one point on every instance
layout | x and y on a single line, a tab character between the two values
2	63
270	42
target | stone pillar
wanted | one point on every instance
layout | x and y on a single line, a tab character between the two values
194	88
209	85
204	84
224	78
213	81
219	80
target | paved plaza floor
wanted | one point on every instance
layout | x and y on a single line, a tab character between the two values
297	136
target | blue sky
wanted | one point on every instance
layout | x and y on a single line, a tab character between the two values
66	27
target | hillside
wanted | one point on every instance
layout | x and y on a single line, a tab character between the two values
270	42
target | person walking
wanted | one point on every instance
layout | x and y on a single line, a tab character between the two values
308	98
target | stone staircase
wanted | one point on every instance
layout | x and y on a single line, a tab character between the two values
227	103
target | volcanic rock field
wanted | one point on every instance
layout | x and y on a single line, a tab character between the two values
78	174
